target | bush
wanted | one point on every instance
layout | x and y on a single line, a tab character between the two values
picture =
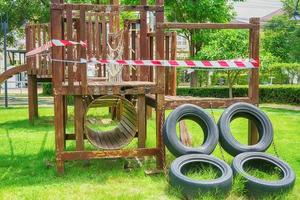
284	94
47	89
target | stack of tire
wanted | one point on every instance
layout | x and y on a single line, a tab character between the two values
187	157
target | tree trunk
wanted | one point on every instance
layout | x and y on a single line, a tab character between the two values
230	84
194	74
194	79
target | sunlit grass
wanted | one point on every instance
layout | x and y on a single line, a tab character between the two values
27	161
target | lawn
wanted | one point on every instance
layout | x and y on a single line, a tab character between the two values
27	168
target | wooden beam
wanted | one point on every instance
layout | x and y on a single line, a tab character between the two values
112	8
86	155
32	97
160	81
254	76
170	25
79	122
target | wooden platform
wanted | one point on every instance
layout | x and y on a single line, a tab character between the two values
172	102
96	87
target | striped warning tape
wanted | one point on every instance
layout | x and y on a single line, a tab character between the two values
220	64
54	43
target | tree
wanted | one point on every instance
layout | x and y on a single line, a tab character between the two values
280	38
198	12
229	44
19	12
289	7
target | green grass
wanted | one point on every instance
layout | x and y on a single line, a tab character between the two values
27	162
203	172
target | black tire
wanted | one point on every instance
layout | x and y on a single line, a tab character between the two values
205	121
260	187
251	112
192	188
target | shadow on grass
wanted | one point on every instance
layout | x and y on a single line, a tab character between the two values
42	123
39	169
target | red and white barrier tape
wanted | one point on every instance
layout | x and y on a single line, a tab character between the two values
54	43
220	64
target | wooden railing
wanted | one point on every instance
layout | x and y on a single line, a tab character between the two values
99	26
36	36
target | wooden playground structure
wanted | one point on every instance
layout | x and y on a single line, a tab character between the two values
101	27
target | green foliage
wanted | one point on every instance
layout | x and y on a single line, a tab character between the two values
19	12
280	37
289	6
28	168
268	94
226	44
47	89
291	70
198	11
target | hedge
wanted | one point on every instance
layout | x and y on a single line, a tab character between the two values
48	91
284	94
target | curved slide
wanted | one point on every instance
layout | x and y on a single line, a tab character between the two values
10	72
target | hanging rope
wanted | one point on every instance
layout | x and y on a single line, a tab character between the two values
113	70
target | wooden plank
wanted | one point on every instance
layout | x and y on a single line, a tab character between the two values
83	67
89	35
33	40
126	69
70	48
112	8
167	70
143	72
86	155
39	43
79	122
141	110
104	41
171	25
134	49
172	72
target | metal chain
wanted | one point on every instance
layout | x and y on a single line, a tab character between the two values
275	149
213	115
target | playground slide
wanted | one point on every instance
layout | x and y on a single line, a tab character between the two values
9	73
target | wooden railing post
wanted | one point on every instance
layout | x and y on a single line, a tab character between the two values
57	78
160	81
254	76
143	72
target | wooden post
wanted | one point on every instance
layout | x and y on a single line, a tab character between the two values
32	97
116	17
32	81
133	53
126	69
79	122
160	78
83	68
254	76
173	73
167	70
57	78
